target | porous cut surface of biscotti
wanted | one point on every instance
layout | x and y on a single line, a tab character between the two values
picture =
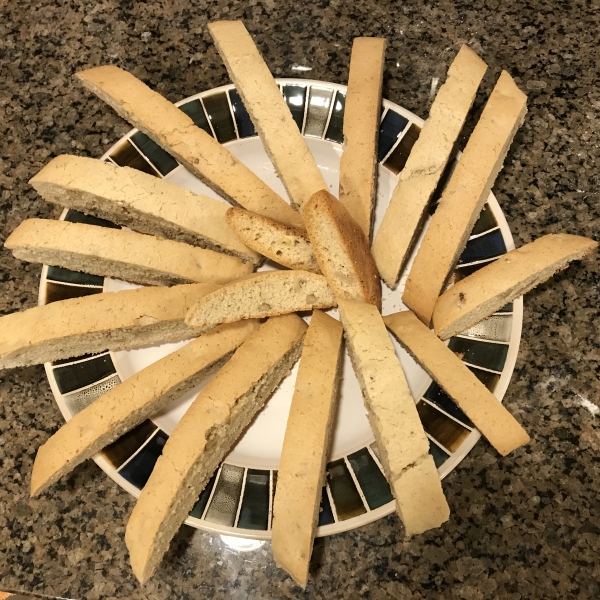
111	321
121	254
492	419
342	250
178	135
306	446
403	445
288	246
268	110
487	290
425	165
139	201
205	434
136	399
358	174
464	197
262	295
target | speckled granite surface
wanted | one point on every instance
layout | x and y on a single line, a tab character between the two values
525	526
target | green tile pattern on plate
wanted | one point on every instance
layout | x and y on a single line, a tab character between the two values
127	155
347	500
496	327
139	468
397	159
319	102
73	377
162	160
77	401
490	380
67	276
128	444
195	111
55	292
507	308
325	512
449	433
202	501
295	97
437	396
219	114
254	513
224	503
335	129
439	456
373	483
480	353
485	222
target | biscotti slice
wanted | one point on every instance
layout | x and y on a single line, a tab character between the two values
205	434
136	399
139	201
391	410
195	149
464	197
306	446
288	246
495	423
358	165
270	114
111	321
487	290
425	165
121	254
342	250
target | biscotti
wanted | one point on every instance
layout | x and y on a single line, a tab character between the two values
464	197
139	201
425	165
342	250
358	165
305	447
111	321
121	254
403	445
136	399
195	149
270	114
205	434
495	423
484	292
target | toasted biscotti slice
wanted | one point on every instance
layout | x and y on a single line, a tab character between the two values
121	254
358	165
464	197
402	442
262	295
425	165
136	399
484	292
288	246
111	321
342	250
496	424
205	434
195	149
306	446
270	114
139	201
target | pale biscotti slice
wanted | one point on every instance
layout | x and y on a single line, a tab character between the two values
139	201
358	165
496	424
487	290
270	114
136	399
205	434
402	442
262	295
464	197
121	254
425	165
288	246
306	446
111	321
342	250
195	149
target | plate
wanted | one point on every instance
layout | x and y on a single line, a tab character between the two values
239	497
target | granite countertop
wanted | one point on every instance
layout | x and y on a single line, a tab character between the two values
524	526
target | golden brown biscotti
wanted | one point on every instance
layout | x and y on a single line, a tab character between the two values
141	202
486	412
402	442
464	197
268	110
425	165
111	321
342	250
306	446
205	434
136	399
121	254
358	165
178	135
487	290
